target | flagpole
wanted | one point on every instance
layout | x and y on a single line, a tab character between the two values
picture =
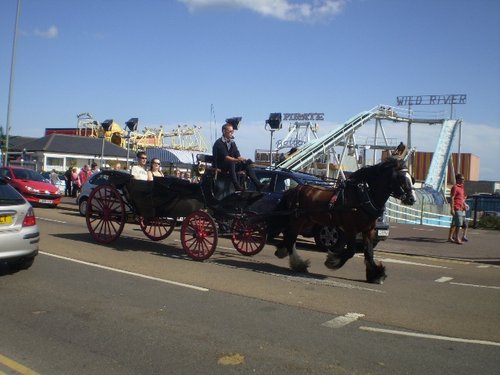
11	85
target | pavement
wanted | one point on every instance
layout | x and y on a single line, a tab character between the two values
420	240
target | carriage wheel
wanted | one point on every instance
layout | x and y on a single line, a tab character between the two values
248	238
199	235
105	214
157	228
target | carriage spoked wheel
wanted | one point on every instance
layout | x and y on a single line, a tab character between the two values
248	237
157	228
199	235
105	214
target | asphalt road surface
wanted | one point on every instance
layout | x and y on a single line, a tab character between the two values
140	307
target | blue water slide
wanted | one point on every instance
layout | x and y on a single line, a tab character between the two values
437	170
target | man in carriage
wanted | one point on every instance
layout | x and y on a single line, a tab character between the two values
228	159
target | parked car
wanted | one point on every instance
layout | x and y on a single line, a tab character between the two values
32	186
19	233
280	180
89	185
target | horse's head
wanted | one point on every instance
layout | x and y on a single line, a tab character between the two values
402	186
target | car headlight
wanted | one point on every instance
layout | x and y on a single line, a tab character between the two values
31	190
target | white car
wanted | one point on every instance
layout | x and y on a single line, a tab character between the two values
19	235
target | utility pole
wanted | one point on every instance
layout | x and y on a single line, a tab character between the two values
11	85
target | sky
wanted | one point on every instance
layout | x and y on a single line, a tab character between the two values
198	62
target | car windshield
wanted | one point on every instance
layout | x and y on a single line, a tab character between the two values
28	174
9	196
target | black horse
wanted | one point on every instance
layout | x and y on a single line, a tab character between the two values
353	208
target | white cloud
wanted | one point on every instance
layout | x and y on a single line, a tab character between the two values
282	9
51	33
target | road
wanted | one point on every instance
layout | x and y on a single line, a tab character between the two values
136	306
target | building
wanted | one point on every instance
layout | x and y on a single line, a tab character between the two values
469	166
59	152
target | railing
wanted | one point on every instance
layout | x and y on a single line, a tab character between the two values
425	214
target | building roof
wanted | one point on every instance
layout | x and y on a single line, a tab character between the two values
17	140
69	144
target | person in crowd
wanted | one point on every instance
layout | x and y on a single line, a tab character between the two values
94	168
155	169
54	177
74	182
67	180
83	176
228	159
178	173
118	166
457	205
139	171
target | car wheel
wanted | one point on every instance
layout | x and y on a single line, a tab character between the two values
326	237
82	207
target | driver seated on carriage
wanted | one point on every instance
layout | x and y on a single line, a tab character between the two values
227	159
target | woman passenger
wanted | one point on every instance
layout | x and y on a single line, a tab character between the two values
155	169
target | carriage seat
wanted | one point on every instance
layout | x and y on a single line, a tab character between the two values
208	160
225	186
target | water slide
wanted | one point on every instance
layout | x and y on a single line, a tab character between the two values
437	170
316	147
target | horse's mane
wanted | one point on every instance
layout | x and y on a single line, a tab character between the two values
369	172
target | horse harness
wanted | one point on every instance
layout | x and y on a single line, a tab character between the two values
338	201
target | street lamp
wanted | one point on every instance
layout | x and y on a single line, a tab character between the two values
132	127
234	122
106	125
273	123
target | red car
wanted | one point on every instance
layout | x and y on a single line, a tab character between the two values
33	187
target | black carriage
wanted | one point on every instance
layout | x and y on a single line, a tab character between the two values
210	209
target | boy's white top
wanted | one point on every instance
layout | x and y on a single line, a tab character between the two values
139	173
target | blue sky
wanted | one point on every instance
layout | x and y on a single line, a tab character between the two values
168	62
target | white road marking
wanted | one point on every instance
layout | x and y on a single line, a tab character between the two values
397	261
428	336
342	321
477	286
424	229
443	279
51	220
128	272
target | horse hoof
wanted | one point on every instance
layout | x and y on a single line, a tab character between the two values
376	275
281	252
334	262
300	266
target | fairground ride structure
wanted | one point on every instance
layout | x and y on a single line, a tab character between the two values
339	149
184	137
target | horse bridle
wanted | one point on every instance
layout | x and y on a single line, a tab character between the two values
403	192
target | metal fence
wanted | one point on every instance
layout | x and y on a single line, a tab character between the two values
424	213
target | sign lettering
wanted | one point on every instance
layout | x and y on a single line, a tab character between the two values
303	116
289	143
431	99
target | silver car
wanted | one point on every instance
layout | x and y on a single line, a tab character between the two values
89	185
19	235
